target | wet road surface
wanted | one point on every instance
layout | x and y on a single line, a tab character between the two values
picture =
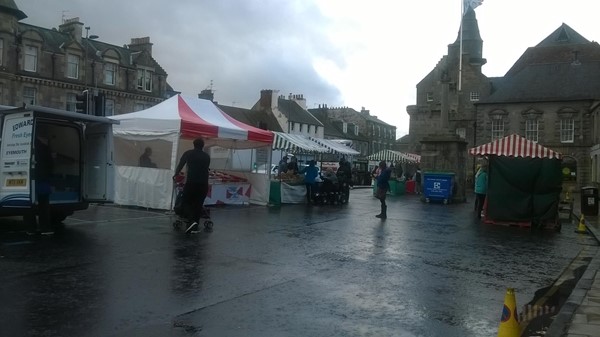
295	270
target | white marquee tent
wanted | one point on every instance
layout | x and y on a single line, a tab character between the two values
169	128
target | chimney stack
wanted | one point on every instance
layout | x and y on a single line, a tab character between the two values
268	99
299	98
141	44
73	27
207	94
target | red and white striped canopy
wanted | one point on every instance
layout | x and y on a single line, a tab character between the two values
514	146
191	118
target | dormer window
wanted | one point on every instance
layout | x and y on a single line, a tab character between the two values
72	66
31	56
110	73
144	80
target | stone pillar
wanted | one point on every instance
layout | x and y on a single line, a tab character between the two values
446	152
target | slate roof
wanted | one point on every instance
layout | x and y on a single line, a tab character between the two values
9	6
330	130
252	117
295	113
53	39
563	35
550	82
564	66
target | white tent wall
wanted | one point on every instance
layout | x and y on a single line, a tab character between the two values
260	183
144	186
153	187
177	121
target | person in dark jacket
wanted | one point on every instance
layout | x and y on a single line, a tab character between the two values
145	160
383	186
293	165
344	174
44	167
196	185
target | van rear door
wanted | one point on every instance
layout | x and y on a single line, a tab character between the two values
15	182
98	171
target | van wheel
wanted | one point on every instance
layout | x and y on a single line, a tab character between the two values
58	218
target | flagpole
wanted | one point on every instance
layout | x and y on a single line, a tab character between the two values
462	14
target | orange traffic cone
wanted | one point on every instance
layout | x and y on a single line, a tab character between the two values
509	326
581	229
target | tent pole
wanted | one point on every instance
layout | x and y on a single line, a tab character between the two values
174	159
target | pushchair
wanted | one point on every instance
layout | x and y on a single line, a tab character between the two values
329	192
182	221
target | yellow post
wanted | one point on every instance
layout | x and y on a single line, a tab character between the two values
509	326
581	228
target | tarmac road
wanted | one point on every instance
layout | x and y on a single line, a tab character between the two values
295	270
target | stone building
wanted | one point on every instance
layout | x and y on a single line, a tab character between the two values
290	113
551	95
378	134
50	67
342	130
449	91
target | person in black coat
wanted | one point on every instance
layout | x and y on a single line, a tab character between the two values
196	184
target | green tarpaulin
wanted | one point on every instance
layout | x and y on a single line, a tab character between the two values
523	189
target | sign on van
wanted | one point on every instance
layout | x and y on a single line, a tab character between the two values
16	142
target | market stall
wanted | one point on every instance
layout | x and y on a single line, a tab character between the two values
168	129
289	188
524	182
408	162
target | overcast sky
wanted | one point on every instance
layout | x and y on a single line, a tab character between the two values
337	52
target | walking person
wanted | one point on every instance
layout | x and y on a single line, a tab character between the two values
418	180
196	185
383	186
481	180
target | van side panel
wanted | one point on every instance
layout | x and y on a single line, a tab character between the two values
99	174
15	184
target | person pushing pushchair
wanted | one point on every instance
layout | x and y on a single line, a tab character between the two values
344	175
195	188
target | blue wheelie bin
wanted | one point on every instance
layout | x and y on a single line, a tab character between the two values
437	186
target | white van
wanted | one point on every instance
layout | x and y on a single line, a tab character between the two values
81	148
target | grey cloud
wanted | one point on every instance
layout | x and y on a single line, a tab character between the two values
243	46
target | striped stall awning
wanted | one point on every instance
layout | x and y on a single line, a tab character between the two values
395	156
334	147
514	146
296	144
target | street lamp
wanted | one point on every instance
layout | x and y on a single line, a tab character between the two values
88	37
87	42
